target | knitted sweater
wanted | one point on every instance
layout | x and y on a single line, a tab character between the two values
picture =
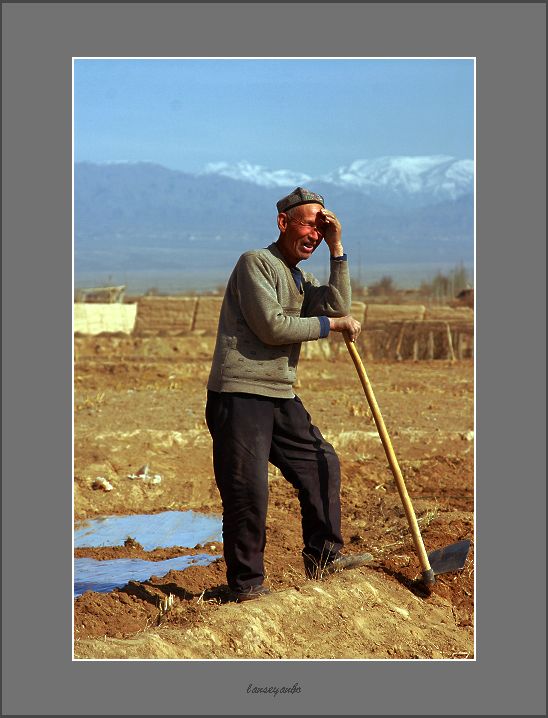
264	318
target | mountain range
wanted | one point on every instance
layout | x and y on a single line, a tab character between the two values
141	215
402	181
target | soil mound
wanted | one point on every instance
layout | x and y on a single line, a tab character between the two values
362	614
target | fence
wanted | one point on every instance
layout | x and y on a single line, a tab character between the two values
389	331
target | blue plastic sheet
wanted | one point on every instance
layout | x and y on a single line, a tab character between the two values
170	528
105	576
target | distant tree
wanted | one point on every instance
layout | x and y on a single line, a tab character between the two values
441	287
460	279
385	286
445	287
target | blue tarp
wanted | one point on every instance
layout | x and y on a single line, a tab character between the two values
104	576
170	528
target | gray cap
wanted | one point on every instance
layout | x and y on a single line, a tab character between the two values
300	195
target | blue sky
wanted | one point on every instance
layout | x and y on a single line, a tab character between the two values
309	116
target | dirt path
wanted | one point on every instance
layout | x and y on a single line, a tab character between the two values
140	400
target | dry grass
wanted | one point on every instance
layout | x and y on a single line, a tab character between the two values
292	575
428	517
361	409
318	568
91	402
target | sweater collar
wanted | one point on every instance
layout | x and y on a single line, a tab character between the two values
293	271
276	252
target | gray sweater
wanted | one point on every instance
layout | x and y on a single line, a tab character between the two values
264	318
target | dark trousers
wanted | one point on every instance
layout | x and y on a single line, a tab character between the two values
248	431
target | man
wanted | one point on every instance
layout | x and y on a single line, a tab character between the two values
270	307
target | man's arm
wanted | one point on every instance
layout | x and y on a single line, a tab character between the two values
258	301
332	299
332	310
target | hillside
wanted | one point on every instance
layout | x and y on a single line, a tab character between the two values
144	216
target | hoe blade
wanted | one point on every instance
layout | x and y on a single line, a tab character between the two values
450	558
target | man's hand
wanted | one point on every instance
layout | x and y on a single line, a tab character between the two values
346	324
332	232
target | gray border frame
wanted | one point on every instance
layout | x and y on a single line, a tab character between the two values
39	41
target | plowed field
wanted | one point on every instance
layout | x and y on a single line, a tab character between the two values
140	400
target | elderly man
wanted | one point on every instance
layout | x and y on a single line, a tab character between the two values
270	307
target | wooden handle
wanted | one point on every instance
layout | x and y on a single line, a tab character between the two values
391	456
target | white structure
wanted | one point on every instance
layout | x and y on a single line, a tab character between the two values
97	318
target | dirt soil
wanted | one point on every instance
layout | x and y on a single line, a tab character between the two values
140	400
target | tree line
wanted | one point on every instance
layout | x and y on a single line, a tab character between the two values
441	289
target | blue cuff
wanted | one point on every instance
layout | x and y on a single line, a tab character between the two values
342	258
324	327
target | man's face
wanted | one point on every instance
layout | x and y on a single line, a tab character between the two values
300	233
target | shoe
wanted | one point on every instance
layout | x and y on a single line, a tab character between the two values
351	561
317	570
250	594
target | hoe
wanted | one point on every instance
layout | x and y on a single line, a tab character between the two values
443	560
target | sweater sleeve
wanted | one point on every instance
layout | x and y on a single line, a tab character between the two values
333	299
258	301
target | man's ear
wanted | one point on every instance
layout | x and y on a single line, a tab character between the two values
282	221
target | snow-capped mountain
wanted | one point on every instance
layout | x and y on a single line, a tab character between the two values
257	174
437	175
421	180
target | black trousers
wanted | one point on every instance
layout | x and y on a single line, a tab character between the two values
248	431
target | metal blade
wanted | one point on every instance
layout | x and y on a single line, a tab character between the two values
450	558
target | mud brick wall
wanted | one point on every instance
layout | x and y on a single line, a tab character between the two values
450	314
207	315
169	316
390	331
393	312
357	310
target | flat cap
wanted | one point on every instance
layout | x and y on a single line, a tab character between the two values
300	195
